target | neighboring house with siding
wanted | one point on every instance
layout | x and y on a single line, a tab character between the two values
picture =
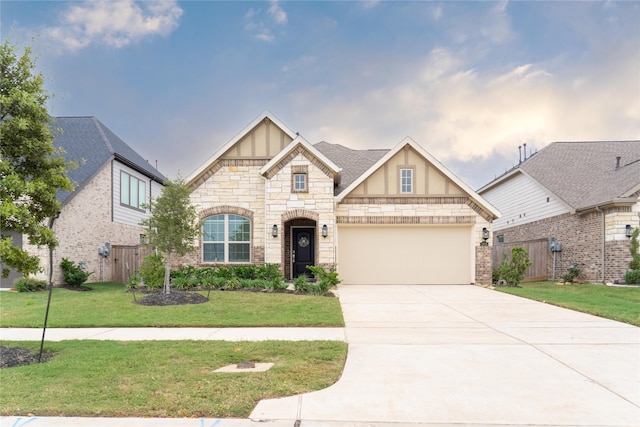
394	216
112	182
581	194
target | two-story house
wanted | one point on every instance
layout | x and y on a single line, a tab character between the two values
395	216
571	203
98	225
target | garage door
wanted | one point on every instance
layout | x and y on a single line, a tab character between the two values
404	254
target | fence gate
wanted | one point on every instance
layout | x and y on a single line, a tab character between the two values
538	254
127	260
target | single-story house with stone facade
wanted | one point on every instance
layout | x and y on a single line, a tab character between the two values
98	226
577	202
394	216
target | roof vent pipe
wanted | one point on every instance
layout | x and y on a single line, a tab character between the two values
617	162
525	151
519	154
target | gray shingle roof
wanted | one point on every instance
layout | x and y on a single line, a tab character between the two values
87	138
353	162
584	174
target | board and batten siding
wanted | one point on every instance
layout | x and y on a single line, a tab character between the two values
124	214
522	200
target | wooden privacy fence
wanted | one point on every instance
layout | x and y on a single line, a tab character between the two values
127	260
538	251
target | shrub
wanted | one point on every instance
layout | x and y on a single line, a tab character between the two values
74	275
325	280
30	284
300	283
632	277
572	272
152	271
512	271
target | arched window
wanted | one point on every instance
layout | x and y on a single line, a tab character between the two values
226	238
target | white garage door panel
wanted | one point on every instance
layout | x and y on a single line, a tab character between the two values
404	254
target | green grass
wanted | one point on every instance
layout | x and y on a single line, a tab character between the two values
164	379
616	303
108	305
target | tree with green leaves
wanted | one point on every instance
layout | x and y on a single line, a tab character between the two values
32	170
172	226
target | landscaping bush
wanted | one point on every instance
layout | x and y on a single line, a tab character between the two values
512	271
572	272
29	284
325	280
300	283
73	274
152	271
632	277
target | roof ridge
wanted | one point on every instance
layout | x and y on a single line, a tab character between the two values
106	141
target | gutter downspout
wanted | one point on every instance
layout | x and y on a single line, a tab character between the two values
604	229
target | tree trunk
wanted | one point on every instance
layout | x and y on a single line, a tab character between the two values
167	274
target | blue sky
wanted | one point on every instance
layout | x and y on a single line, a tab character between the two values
469	81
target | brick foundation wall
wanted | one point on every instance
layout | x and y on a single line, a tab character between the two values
483	265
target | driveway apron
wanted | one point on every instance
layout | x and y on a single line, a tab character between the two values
465	355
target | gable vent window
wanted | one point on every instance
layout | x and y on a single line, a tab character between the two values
299	179
406	181
133	191
226	238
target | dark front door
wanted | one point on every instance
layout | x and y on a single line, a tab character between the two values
303	252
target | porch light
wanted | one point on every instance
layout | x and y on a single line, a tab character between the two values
325	231
274	230
485	234
628	231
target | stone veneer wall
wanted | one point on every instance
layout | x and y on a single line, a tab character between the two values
581	239
83	226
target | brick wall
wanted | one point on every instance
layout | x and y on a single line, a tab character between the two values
83	226
483	265
581	237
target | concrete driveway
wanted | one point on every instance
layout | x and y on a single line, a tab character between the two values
464	355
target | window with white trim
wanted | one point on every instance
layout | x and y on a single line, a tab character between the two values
226	238
300	182
406	180
133	191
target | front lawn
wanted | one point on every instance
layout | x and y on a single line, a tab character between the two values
616	303
164	379
108	305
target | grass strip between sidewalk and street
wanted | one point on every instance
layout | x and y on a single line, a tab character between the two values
108	305
611	302
164	379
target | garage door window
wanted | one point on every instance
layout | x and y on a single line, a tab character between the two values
226	238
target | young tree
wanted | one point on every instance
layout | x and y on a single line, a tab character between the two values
31	169
172	226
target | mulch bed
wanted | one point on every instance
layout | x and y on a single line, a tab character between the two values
10	357
174	298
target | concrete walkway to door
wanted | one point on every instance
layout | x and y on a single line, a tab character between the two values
464	355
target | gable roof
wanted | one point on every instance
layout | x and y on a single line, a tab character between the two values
352	162
90	143
584	174
299	141
435	162
255	122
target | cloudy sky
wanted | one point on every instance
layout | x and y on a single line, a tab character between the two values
469	81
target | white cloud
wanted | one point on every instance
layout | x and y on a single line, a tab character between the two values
261	26
463	114
113	23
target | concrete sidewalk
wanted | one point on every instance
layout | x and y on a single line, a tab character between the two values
438	356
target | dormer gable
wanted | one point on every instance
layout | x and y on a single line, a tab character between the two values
260	141
410	172
301	146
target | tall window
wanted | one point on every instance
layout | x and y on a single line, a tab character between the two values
406	180
226	238
133	191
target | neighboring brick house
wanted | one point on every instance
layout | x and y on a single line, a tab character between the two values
98	211
581	194
379	216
